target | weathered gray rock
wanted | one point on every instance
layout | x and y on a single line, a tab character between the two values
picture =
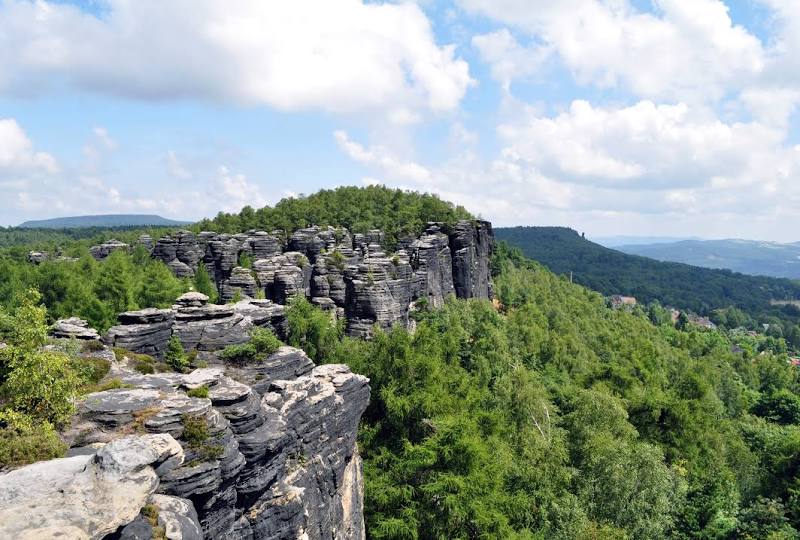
241	281
105	249
471	244
84	497
145	331
275	458
74	328
351	276
37	257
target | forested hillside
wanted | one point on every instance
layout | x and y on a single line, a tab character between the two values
108	220
702	290
549	415
97	291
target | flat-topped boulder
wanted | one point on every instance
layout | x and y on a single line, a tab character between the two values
74	328
85	496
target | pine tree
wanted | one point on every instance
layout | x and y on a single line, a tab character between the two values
203	283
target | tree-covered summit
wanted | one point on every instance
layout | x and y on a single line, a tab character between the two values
394	211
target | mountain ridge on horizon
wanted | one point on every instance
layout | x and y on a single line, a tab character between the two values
102	220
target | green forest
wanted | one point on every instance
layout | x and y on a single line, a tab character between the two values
543	414
729	298
549	415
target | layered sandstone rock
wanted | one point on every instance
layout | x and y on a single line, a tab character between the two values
269	454
348	274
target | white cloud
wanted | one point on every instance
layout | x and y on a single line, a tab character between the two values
644	146
509	59
687	49
175	166
234	191
333	55
17	155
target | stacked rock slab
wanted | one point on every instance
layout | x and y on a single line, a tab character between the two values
350	274
74	328
105	249
198	324
269	454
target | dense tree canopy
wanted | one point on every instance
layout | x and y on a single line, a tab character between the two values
394	211
549	415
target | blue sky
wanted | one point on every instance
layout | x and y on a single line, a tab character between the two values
670	117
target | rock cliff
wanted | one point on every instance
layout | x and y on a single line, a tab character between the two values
351	274
265	450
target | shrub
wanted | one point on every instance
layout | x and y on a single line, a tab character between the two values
175	355
199	392
262	344
195	430
90	370
24	440
337	259
42	385
91	346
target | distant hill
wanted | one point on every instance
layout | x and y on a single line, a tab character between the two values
745	256
109	220
680	285
624	240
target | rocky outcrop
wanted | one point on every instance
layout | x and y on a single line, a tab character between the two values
270	453
471	247
105	249
348	274
198	324
86	496
73	328
146	331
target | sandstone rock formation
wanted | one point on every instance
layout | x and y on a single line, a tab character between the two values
105	249
270	453
85	496
198	324
74	328
350	274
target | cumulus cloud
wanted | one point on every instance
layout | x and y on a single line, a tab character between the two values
685	50
331	55
644	146
18	159
509	59
235	191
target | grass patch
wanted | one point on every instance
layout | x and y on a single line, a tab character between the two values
91	346
150	513
90	371
199	392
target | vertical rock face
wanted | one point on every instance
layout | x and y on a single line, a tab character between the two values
471	245
349	274
270	453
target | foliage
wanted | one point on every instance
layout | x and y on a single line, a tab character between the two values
203	283
395	212
195	430
702	290
262	343
312	330
175	356
37	382
549	415
24	440
199	392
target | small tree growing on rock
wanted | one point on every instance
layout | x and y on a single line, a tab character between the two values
175	356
